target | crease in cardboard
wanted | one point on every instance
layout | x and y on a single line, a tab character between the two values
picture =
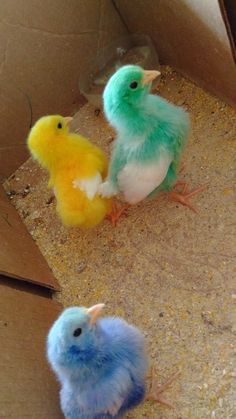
46	32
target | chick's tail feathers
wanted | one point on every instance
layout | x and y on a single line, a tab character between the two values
75	209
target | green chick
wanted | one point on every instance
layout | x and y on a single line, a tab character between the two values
151	136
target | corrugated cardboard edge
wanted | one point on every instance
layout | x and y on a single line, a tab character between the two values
228	28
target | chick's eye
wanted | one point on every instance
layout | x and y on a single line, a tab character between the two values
133	85
77	332
59	125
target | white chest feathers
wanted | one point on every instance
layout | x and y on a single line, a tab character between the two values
137	180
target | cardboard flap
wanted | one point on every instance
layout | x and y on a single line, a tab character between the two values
19	256
28	389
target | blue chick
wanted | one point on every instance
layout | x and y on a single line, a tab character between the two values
151	136
101	363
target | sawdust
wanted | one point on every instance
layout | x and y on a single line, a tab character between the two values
164	268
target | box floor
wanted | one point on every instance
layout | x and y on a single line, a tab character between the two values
164	268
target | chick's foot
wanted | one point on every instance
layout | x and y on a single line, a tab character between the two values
117	212
156	391
184	197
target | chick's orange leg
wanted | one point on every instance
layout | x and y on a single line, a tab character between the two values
156	391
117	212
184	197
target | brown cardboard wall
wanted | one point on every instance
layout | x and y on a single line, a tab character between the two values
43	47
19	256
191	36
28	388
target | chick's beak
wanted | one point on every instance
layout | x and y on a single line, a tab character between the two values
94	312
149	76
68	120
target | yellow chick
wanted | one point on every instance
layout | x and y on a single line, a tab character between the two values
76	169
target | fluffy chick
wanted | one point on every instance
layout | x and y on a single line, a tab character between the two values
76	168
151	137
100	363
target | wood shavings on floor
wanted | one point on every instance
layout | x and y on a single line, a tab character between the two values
164	268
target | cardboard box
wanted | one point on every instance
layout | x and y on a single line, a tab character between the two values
28	388
19	256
